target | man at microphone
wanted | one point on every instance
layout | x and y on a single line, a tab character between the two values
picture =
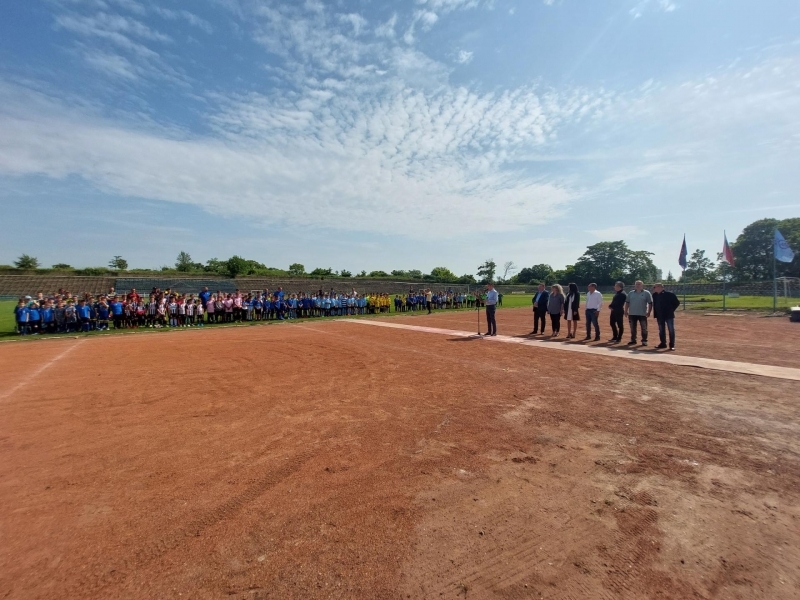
491	307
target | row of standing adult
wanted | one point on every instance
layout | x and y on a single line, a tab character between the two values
636	306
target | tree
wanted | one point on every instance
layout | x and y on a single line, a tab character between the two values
318	272
640	266
670	278
345	273
603	263
236	265
699	268
410	274
487	270
297	269
214	265
118	263
508	267
62	267
466	278
753	250
362	274
606	262
27	262
378	274
443	274
184	262
565	275
536	274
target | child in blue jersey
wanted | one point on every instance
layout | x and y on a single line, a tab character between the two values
258	307
326	306
35	318
117	312
267	308
48	319
102	316
84	312
22	315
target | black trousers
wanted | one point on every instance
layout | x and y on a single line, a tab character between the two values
429	304
538	319
490	319
555	322
617	324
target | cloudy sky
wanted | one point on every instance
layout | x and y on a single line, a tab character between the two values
368	134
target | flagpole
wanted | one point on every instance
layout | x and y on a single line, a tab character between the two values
774	272
683	278
724	293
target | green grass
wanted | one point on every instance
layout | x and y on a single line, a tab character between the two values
714	302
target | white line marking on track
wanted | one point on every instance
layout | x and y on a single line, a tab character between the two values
671	359
7	394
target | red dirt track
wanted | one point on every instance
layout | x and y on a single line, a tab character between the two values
333	460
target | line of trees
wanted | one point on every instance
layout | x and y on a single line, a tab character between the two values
602	263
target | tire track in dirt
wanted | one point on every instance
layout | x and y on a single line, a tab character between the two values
96	580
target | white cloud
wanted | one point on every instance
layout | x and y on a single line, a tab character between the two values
360	124
446	6
357	22
464	57
662	5
351	162
387	29
427	19
119	45
185	15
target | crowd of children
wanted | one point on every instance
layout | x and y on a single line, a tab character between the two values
63	312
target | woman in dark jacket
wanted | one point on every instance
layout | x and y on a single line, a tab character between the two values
572	305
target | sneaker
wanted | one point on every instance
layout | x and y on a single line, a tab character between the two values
661	346
631	343
672	348
613	341
644	343
597	338
587	338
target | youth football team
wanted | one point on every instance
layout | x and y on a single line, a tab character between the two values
63	312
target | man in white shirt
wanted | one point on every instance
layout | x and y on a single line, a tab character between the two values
594	302
491	306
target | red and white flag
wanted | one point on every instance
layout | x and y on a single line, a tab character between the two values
727	253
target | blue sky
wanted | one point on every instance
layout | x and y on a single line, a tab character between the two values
369	135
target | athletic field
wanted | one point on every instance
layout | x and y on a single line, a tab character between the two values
402	457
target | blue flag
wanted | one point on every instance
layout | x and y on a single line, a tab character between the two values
684	253
782	251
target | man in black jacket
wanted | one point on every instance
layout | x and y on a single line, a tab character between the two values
617	310
664	305
540	300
